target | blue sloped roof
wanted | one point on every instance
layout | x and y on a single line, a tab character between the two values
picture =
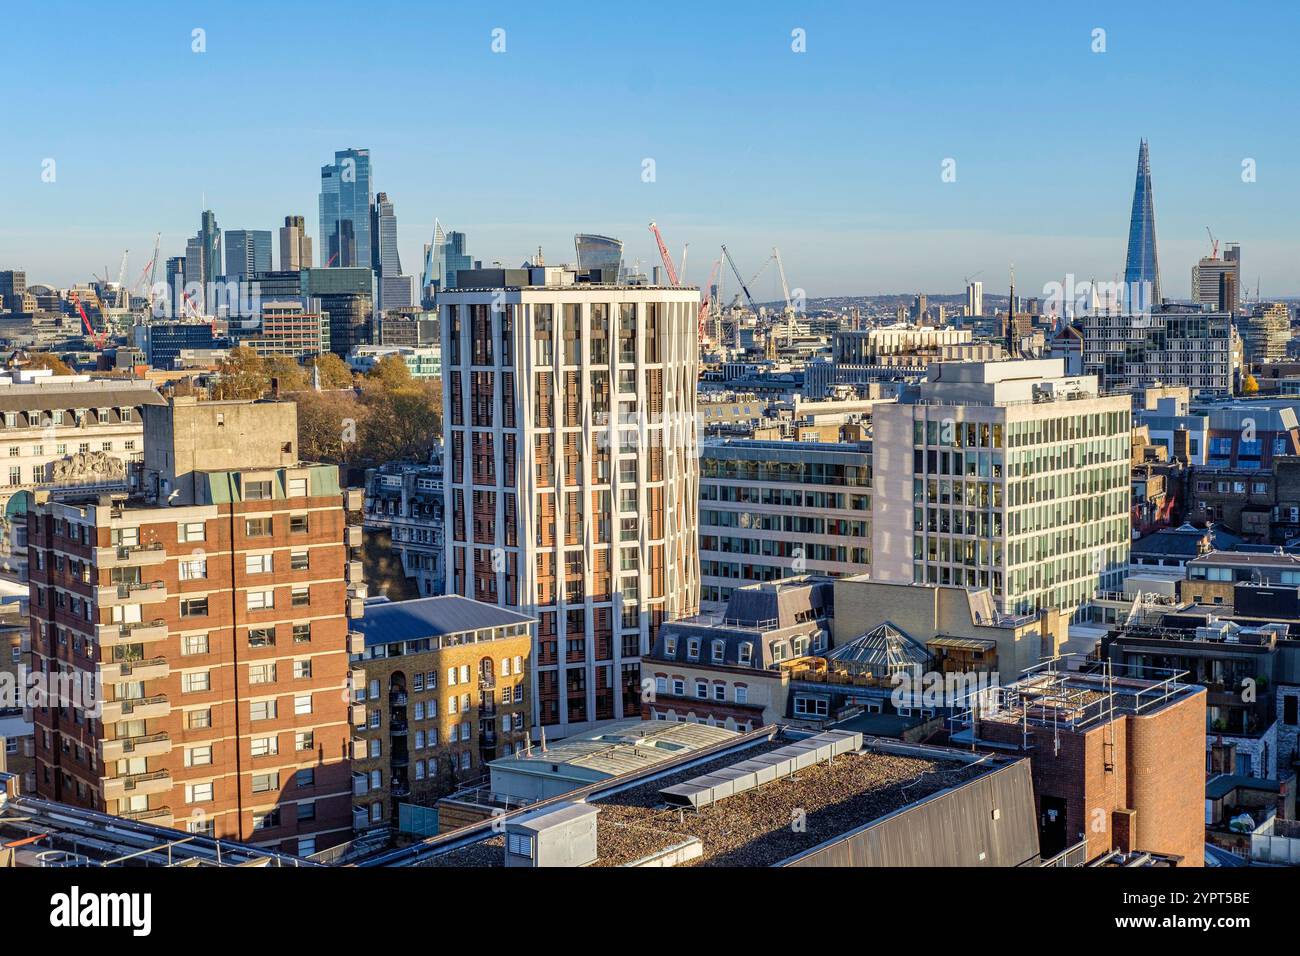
387	621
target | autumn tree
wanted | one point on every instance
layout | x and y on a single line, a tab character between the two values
392	372
241	374
1250	385
334	372
287	373
329	425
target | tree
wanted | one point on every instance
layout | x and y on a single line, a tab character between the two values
329	424
392	371
47	360
334	372
1250	386
287	373
241	374
400	423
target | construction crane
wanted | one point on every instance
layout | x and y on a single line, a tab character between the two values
96	339
1214	244
682	274
785	289
744	287
664	255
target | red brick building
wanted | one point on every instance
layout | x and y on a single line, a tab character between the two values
211	614
1118	763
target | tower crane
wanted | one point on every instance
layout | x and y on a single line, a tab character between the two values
705	297
744	287
664	255
1214	244
785	289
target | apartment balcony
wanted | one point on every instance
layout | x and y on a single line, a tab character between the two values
354	573
352	535
137	784
150	745
155	816
357	645
129	555
397	728
110	595
353	499
136	708
114	672
356	607
358	715
359	748
358	591
136	632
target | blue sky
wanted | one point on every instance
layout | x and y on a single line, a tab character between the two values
833	154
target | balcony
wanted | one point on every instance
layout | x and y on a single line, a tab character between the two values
114	672
353	571
352	535
110	595
359	749
397	728
137	784
129	555
358	715
150	745
156	816
110	635
357	645
353	499
358	590
136	708
356	608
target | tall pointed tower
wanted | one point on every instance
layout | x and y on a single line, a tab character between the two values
1142	268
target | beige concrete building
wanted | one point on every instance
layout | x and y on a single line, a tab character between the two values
1009	476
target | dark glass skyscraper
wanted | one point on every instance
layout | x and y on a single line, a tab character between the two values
248	251
394	288
1142	268
345	197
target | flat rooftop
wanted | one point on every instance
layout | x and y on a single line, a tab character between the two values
754	828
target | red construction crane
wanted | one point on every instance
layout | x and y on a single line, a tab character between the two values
96	339
663	254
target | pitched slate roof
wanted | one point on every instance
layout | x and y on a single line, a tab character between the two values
386	622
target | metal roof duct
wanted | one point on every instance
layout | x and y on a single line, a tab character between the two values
755	772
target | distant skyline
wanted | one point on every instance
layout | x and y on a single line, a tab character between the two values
836	154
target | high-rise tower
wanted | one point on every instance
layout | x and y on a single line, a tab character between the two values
1142	268
345	198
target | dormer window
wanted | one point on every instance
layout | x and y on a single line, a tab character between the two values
746	654
693	648
780	651
670	646
719	651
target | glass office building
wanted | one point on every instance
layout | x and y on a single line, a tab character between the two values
599	252
345	198
1142	269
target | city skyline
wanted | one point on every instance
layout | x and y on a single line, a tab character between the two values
818	152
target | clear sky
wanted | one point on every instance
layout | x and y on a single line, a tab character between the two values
834	154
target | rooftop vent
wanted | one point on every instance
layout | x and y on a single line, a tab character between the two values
757	771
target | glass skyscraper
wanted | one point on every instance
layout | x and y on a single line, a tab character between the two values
443	258
393	287
248	251
345	198
599	252
1142	269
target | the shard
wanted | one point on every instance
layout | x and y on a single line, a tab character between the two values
1142	268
